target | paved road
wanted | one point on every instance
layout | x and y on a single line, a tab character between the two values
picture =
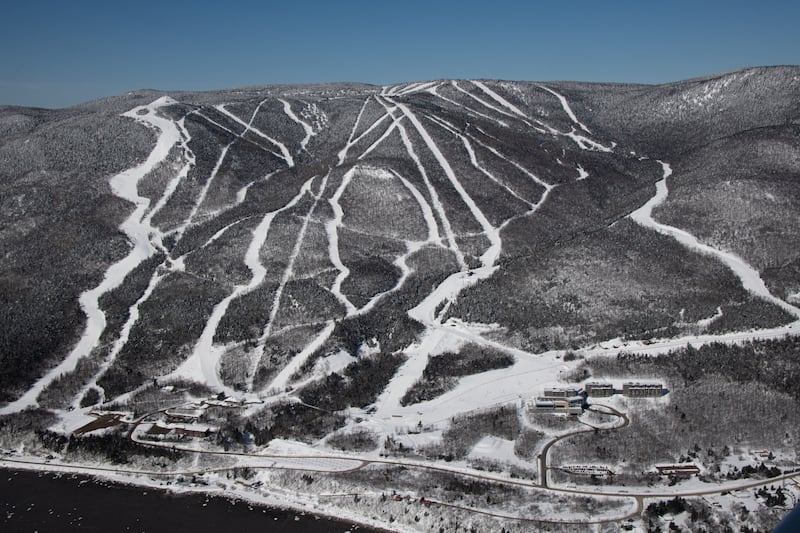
258	462
543	468
638	497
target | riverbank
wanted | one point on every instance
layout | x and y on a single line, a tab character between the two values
35	499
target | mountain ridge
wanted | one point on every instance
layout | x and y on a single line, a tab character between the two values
352	289
479	102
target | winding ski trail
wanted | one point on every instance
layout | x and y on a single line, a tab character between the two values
332	229
281	381
750	278
309	131
567	108
136	229
171	263
432	309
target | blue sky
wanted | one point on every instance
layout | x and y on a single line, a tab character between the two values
58	53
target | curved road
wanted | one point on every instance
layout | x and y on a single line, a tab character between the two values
638	498
543	468
359	463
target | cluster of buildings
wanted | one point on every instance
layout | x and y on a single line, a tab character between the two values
566	407
181	421
572	400
678	470
567	401
588	470
631	389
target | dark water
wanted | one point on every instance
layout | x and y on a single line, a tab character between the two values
32	501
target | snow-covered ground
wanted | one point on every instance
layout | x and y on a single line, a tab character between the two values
513	385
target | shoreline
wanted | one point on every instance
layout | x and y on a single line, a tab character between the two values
268	501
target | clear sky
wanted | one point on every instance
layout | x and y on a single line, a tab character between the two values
58	53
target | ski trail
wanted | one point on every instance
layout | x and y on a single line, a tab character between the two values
705	322
281	381
287	274
237	135
407	89
468	109
522	169
204	191
499	99
416	87
433	308
285	155
172	186
474	160
411	247
486	104
133	314
567	108
431	190
405	271
358	120
352	142
125	186
207	185
427	212
546	186
493	252
202	364
390	90
332	230
583	143
518	115
445	293
377	143
220	233
287	108
122	340
750	278
241	194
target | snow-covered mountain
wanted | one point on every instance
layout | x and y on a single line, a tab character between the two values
319	277
233	238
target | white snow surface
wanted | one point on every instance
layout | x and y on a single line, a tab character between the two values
705	322
495	449
287	275
437	204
